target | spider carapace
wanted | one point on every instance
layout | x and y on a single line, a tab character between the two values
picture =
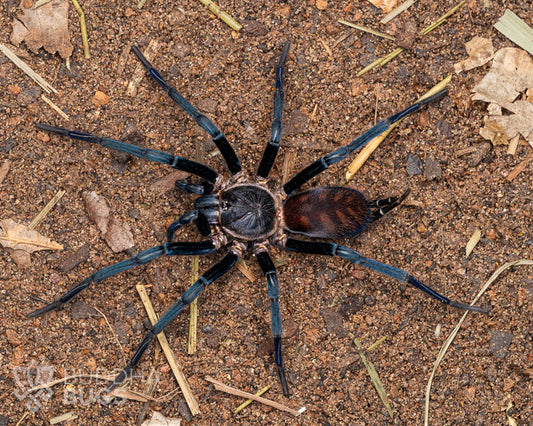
236	215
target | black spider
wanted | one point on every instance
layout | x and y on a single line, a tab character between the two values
237	214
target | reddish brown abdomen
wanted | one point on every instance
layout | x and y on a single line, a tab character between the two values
326	212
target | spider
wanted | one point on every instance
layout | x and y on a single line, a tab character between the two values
237	215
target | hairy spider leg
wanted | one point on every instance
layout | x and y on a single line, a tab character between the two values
275	316
233	162
332	249
176	162
380	207
186	299
341	153
271	150
182	221
169	249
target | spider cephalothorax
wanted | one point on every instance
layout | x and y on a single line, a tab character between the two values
237	214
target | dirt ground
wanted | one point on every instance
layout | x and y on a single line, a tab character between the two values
326	302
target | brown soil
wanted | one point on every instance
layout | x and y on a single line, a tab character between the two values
325	301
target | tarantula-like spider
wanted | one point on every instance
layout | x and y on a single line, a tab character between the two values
237	214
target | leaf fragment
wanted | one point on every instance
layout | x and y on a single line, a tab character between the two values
472	243
46	26
17	236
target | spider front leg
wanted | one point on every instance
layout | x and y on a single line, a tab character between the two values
271	150
176	162
234	165
188	297
169	249
341	153
332	249
275	316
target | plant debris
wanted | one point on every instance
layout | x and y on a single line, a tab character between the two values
159	419
510	76
19	237
116	234
46	26
480	51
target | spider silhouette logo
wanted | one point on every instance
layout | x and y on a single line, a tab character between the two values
236	214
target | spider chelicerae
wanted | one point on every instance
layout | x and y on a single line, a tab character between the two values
237	215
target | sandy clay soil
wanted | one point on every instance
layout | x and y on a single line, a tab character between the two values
458	181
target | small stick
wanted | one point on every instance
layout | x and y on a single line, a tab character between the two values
22	418
55	107
243	268
366	30
67	378
223	16
112	332
178	373
141	3
193	310
83	29
38	219
371	146
382	61
26	68
455	331
374	377
228	389
518	169
63	418
249	401
394	13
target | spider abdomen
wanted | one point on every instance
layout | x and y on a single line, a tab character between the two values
326	212
248	212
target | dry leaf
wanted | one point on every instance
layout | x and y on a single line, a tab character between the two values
19	237
159	419
510	76
116	234
480	51
46	26
385	5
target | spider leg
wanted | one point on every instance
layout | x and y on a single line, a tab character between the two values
169	249
379	208
273	292
332	249
234	165
186	299
272	148
182	221
176	162
341	153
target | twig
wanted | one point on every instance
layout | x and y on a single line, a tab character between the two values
518	169
382	61
55	107
22	418
178	373
249	401
374	377
452	335
223	16
38	219
63	418
193	310
112	332
371	146
26	68
141	3
228	389
67	378
83	29
366	30
243	268
394	13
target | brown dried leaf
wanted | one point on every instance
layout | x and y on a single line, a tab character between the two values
46	26
480	51
17	236
116	234
510	76
385	5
